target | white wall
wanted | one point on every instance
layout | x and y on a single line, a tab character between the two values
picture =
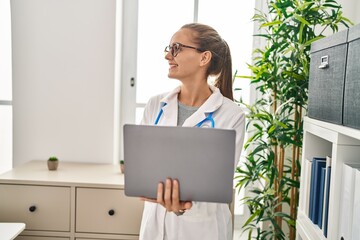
5	88
351	9
63	79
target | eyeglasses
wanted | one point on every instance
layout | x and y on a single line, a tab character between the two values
176	48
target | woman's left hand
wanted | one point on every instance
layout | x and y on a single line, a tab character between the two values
169	197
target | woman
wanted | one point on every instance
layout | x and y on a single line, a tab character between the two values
195	53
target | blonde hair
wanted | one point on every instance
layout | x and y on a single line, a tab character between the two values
209	39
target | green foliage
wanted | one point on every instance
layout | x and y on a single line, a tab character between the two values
280	71
53	158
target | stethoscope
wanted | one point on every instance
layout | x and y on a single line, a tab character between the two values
208	118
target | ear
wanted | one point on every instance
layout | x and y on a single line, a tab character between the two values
205	58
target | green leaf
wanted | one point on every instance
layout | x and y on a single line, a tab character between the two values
272	129
271	23
347	20
251	218
301	30
240	76
308	43
301	19
331	5
281	214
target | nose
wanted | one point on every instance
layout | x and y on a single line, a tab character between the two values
168	55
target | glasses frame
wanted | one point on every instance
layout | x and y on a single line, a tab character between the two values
180	45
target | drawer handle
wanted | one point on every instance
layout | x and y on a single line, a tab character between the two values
111	212
32	208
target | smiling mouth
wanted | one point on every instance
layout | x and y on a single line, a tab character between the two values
171	66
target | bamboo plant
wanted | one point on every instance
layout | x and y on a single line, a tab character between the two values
280	71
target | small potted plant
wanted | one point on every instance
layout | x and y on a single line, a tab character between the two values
122	166
53	163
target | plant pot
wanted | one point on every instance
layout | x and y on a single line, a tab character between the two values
122	168
52	165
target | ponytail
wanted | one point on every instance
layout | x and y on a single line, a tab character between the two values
221	65
224	81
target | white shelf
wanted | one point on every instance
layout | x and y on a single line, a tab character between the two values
307	229
323	139
335	133
67	173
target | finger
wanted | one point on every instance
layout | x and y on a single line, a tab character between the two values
160	193
176	203
175	192
167	195
186	205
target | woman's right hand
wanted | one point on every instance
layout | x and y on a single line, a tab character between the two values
169	197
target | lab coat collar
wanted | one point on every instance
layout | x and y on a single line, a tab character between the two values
171	108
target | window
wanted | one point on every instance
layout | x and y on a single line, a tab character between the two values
5	89
154	34
231	18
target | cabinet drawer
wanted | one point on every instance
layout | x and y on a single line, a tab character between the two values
40	238
40	207
107	211
122	238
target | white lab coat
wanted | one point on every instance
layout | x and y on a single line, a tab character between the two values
210	221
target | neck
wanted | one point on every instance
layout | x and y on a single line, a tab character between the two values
194	95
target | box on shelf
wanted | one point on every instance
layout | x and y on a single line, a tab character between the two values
327	77
352	81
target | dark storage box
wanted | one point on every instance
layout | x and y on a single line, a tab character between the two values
327	77
352	81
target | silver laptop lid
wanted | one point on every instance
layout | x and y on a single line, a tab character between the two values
202	159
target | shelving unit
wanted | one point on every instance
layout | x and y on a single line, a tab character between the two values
343	145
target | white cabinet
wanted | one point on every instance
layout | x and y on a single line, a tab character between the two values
41	207
78	201
40	238
343	145
106	211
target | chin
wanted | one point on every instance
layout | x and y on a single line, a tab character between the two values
171	76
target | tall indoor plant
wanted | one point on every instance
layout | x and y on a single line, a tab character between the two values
280	71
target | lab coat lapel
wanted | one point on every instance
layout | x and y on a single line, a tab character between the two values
211	105
170	113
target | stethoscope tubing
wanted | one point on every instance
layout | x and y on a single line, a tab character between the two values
208	118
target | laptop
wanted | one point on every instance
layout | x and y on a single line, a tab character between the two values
202	159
